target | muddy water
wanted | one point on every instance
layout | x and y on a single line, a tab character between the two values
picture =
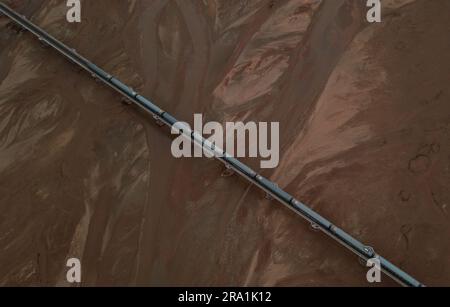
83	176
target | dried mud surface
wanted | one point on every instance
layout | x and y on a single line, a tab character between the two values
365	140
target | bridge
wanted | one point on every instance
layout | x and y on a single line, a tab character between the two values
162	117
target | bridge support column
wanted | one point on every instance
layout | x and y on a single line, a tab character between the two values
314	227
228	172
158	121
126	101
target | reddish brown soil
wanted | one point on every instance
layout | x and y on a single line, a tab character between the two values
365	135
